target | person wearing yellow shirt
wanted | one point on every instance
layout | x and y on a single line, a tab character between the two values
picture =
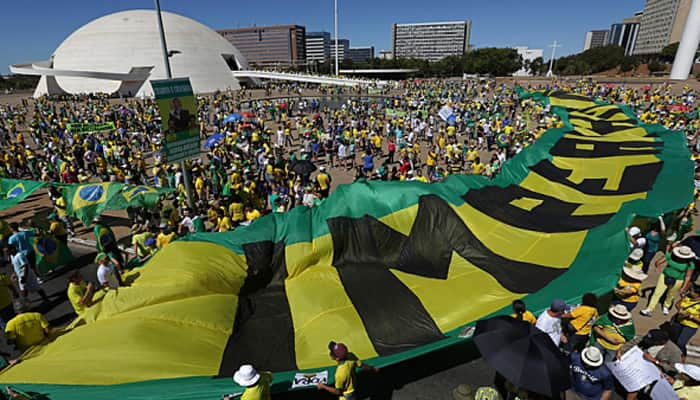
26	330
629	286
478	167
686	322
57	228
223	222
79	292
165	236
581	322
138	240
324	182
256	384
345	374
520	312
251	214
199	188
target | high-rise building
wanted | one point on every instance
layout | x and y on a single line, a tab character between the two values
360	54
625	34
270	46
596	38
318	47
662	23
431	41
528	55
343	46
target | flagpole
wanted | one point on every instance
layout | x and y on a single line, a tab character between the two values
169	75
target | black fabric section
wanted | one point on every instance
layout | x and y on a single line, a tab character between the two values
635	179
559	94
595	118
364	240
552	215
266	266
613	112
606	127
566	147
394	318
265	339
263	333
442	231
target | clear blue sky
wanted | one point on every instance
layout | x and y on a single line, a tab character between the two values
31	30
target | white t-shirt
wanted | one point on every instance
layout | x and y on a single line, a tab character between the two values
550	325
107	275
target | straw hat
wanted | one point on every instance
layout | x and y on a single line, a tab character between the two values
636	254
246	375
635	272
592	357
683	252
619	311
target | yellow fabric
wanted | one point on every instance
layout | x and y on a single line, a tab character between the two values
692	308
26	329
527	317
584	318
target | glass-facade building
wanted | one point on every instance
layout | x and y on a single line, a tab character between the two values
270	46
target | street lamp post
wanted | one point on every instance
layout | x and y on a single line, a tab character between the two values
169	75
551	61
336	38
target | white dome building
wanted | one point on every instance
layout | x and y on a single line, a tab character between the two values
121	52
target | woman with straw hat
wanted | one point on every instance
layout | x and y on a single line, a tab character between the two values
630	284
677	267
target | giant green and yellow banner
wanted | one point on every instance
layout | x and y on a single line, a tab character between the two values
392	269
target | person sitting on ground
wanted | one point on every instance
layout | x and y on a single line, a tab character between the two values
581	320
79	292
590	379
107	271
345	375
520	312
630	284
685	323
26	330
256	384
549	321
658	349
612	330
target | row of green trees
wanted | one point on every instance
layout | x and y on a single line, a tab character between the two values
18	82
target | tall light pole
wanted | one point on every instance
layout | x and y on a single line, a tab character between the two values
685	55
169	75
551	61
336	38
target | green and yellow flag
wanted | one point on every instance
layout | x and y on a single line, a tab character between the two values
14	191
139	196
371	257
50	253
88	200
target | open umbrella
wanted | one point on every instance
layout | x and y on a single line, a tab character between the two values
232	118
523	354
302	167
213	140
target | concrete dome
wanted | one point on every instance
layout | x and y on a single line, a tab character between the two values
118	42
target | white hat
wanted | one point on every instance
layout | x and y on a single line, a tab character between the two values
683	252
322	168
635	272
634	231
592	357
619	311
636	254
691	370
246	375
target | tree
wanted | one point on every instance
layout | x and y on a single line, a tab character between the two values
494	61
668	53
629	63
537	66
656	66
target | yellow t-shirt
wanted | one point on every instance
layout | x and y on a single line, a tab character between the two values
527	317
252	215
478	168
163	239
26	329
323	180
61	207
140	241
692	307
623	284
261	391
57	228
224	224
75	293
584	318
345	376
235	210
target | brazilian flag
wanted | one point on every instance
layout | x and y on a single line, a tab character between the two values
85	201
138	196
50	253
14	191
394	270
503	140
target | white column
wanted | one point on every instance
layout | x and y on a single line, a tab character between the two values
685	56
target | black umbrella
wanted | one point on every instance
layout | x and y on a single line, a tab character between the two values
523	354
302	167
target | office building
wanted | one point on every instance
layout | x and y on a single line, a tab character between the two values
625	34
360	54
596	38
318	47
528	55
270	46
431	41
662	23
386	55
343	46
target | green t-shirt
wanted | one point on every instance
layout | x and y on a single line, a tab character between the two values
198	223
625	331
675	269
